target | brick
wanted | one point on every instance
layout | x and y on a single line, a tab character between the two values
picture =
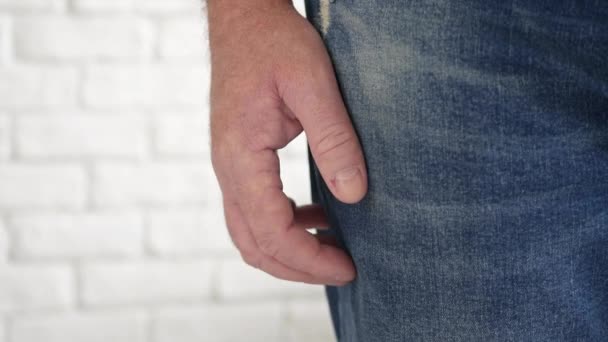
252	322
4	243
5	137
180	232
29	87
29	288
146	282
81	327
169	6
150	86
42	186
237	280
32	5
147	6
102	5
185	37
76	235
5	41
183	135
151	184
69	38
309	321
80	136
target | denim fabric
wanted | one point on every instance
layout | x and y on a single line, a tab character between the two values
484	125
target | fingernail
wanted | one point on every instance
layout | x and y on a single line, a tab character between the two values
349	183
343	278
347	174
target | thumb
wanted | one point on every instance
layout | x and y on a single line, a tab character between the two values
317	103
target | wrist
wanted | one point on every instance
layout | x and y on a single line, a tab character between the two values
222	8
240	17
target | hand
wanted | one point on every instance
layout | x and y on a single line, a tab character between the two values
271	78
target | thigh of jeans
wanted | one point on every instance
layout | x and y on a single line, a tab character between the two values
484	125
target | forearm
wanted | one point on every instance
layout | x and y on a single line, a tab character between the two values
233	23
221	11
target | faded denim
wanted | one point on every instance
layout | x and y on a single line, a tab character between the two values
484	125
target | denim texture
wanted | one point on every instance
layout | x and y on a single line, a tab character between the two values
484	126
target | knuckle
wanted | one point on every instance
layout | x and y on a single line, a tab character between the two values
333	138
252	259
262	130
243	247
268	244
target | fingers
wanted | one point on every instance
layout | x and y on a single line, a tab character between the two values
267	228
275	226
336	151
317	103
251	254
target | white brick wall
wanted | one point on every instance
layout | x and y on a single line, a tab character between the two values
217	323
111	227
80	135
182	135
35	287
64	38
3	244
151	86
5	137
81	327
37	87
16	6
151	184
90	235
183	39
145	6
36	186
147	282
4	40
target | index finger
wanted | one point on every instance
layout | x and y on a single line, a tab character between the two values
270	215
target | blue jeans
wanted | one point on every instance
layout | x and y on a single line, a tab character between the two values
484	125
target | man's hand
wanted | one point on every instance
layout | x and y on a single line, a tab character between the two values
271	78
